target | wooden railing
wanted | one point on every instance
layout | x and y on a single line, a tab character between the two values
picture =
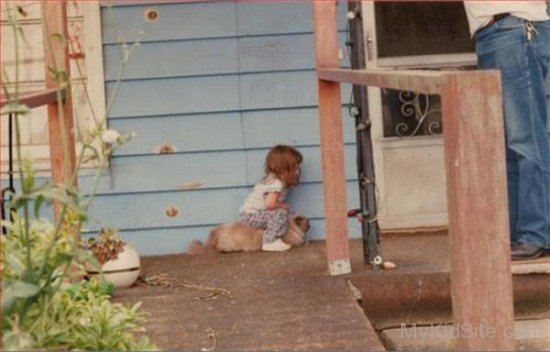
36	99
60	113
31	100
473	134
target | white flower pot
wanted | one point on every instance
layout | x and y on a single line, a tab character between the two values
123	271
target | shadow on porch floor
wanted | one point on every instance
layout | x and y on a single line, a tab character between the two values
287	301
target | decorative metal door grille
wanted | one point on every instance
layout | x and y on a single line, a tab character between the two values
409	114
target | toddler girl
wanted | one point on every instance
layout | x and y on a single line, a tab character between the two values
264	207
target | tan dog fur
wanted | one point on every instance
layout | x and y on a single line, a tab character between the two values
236	237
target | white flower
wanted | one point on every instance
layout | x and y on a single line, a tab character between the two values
110	136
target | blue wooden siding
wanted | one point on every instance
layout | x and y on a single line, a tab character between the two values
221	82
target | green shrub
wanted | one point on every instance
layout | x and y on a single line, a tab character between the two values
45	313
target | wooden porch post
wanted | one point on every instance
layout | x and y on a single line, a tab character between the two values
332	146
60	118
481	281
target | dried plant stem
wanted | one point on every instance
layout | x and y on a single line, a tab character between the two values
104	156
16	28
165	281
97	176
214	291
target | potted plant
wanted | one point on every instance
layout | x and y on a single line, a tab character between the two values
119	261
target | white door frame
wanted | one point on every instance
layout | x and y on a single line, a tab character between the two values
430	209
88	18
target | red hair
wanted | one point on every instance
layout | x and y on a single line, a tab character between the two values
284	162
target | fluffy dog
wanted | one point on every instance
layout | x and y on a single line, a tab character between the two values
236	237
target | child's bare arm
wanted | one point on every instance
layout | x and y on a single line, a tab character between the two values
272	201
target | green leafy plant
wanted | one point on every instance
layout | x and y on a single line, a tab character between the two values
52	313
45	303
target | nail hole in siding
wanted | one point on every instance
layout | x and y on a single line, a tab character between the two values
165	148
151	15
171	211
190	185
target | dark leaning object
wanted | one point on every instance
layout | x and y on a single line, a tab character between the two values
367	212
8	192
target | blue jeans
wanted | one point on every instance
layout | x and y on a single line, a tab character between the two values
524	61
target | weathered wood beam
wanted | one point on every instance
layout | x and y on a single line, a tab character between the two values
60	114
428	82
35	99
481	280
332	139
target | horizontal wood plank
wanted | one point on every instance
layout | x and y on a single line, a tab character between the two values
311	166
215	56
197	207
175	59
185	20
281	52
213	132
428	82
209	94
279	17
263	129
282	90
202	170
219	169
175	171
35	99
175	21
175	96
167	240
187	133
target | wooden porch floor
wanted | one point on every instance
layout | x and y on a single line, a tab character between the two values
287	301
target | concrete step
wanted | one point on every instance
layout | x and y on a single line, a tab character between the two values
392	298
530	335
536	266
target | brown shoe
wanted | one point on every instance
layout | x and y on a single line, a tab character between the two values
525	251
